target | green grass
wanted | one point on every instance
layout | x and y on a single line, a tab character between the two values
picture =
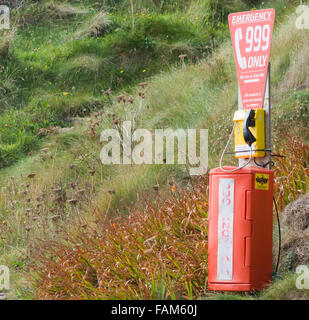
58	68
282	288
58	48
285	289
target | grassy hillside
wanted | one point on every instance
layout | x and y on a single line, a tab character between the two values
58	66
59	58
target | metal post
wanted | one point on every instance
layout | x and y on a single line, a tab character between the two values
267	119
267	108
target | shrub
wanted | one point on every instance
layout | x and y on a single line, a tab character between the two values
291	171
157	254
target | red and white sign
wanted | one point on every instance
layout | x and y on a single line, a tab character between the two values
251	34
225	230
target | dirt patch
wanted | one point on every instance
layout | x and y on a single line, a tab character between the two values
295	234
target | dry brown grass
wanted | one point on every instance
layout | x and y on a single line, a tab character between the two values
6	38
63	10
97	26
294	44
297	77
156	253
295	227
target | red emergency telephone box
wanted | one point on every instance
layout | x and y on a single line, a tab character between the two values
240	229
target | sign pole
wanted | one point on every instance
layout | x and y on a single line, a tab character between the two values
267	109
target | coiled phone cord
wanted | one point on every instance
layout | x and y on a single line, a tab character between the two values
224	151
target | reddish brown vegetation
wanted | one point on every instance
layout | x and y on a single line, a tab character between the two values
158	253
